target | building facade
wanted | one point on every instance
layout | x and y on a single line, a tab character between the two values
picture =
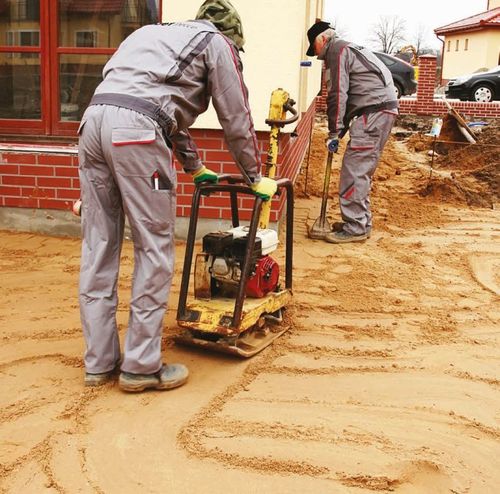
51	57
472	44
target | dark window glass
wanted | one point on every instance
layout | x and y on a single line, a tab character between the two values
12	11
86	39
95	27
20	86
112	20
20	22
79	76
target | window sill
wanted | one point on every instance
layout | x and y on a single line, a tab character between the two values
38	147
37	140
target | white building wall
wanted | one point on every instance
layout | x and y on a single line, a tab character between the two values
482	52
276	42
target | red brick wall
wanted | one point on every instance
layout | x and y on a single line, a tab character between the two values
425	104
38	180
49	180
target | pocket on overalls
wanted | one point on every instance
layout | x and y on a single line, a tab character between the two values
134	151
126	136
359	138
143	160
362	143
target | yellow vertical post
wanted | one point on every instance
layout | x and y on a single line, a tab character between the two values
279	98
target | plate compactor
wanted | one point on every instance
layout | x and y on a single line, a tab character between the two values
239	295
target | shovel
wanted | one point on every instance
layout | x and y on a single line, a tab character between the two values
321	226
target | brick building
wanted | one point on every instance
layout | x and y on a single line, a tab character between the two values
51	61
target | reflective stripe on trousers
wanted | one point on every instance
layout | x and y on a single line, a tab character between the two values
119	151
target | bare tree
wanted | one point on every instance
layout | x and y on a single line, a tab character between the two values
419	38
388	33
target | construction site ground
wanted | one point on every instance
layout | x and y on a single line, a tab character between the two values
388	379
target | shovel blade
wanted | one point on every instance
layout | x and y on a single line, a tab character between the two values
319	229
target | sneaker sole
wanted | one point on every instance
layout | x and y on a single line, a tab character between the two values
138	387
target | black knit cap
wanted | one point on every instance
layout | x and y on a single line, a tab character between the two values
313	32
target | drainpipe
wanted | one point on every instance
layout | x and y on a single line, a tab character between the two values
442	59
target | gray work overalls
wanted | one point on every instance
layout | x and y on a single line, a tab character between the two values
156	84
361	99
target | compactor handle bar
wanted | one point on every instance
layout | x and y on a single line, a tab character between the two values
288	106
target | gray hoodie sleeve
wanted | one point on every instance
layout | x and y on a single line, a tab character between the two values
186	151
230	100
336	100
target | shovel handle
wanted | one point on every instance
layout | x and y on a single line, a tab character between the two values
326	186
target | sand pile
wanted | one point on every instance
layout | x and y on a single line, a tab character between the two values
472	171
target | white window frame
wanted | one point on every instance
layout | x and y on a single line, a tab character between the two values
15	36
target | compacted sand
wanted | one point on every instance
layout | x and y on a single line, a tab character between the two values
388	379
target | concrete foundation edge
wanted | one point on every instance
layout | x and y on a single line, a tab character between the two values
64	224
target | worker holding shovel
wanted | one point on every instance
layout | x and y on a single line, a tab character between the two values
362	100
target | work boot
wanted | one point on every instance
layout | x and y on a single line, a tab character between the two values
168	377
344	237
338	226
102	377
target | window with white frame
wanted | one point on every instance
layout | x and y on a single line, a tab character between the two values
23	37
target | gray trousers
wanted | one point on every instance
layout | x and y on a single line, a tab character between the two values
119	152
368	135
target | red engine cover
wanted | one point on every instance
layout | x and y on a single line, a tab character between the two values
265	279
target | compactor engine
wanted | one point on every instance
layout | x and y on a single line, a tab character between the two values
218	267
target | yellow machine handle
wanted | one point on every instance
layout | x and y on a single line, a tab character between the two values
279	106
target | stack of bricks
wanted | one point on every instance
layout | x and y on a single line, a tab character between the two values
425	103
49	179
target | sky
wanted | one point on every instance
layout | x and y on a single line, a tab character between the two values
355	18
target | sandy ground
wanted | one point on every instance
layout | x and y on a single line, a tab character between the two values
388	379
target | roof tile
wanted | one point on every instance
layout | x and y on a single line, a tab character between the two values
484	19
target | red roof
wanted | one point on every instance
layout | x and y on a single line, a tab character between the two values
490	18
96	6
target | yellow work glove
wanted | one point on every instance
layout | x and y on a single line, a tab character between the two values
203	174
265	189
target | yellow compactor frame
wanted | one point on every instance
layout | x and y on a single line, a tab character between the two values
241	326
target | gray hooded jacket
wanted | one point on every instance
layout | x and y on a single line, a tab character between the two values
179	66
356	79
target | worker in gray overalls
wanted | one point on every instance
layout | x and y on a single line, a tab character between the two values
155	85
362	100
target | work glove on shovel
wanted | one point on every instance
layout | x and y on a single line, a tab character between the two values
203	174
265	188
332	143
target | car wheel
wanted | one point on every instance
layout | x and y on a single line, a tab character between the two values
482	93
399	90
